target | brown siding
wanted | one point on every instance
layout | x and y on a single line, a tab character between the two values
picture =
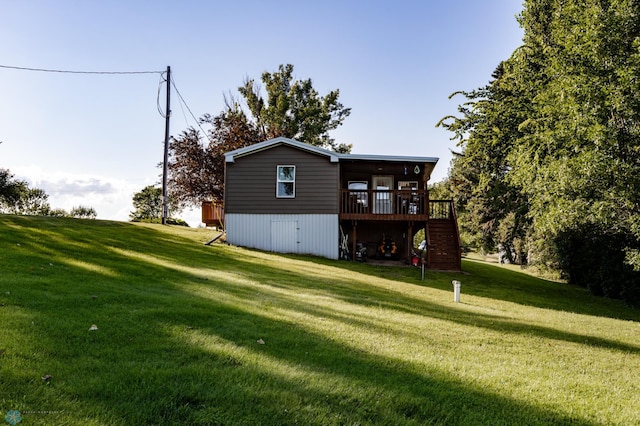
365	170
251	183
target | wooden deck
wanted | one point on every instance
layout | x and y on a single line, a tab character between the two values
388	205
412	208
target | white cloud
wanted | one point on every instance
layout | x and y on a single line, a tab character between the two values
69	186
110	197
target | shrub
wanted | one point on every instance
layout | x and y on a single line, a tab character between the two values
594	257
170	221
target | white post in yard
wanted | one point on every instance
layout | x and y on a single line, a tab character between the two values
456	290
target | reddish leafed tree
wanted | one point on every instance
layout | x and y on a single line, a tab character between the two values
196	166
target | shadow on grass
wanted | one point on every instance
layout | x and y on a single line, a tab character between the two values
492	281
164	355
489	280
360	293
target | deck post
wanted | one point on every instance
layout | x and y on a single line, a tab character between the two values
410	241
353	241
428	245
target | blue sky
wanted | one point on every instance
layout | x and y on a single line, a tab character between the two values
94	140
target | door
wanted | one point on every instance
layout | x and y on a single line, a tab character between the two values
382	200
284	236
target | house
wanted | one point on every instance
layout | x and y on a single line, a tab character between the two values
286	196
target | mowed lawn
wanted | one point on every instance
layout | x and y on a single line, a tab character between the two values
107	323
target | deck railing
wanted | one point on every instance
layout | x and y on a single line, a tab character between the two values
212	213
376	204
441	209
383	202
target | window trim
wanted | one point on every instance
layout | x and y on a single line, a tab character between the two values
278	181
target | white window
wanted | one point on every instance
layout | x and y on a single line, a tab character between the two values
286	182
408	185
359	192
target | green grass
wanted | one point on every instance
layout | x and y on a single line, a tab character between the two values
194	334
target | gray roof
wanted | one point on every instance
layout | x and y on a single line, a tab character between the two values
398	158
334	157
230	156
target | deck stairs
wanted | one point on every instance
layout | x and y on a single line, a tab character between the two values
443	240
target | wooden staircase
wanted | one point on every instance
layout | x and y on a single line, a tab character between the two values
443	240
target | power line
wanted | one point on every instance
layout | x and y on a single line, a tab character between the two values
182	106
173	83
163	79
79	72
161	73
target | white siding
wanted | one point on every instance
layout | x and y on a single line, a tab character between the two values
294	233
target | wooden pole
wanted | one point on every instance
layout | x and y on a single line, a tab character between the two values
165	197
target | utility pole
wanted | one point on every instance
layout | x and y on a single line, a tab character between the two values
165	197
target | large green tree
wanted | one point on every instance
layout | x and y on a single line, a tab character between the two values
147	204
287	107
147	207
17	197
562	119
492	211
10	189
294	109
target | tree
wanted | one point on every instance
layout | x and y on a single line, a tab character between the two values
562	119
83	212
492	212
196	169
294	109
147	204
32	201
10	189
16	197
289	108
586	153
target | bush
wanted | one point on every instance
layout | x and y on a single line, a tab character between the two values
83	212
170	221
593	257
